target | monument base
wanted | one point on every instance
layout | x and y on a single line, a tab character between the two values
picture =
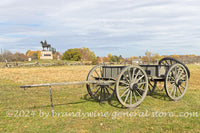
46	55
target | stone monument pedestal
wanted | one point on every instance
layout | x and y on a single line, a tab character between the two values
46	55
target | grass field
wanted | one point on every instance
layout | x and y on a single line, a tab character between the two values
75	111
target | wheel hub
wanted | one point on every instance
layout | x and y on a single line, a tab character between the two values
179	81
133	86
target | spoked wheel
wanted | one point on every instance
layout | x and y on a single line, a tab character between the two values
99	92
170	61
151	87
131	86
176	82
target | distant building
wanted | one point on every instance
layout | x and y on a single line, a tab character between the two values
136	61
29	59
46	55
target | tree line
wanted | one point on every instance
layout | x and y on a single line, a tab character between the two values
83	54
8	56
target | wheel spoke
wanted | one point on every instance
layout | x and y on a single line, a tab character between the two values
97	73
141	83
124	93
104	92
94	87
111	88
123	82
177	91
176	71
129	74
101	71
92	76
182	87
173	74
107	91
142	89
100	94
136	75
171	81
127	96
162	63
140	78
183	76
123	88
180	90
180	74
97	90
131	97
167	62
138	93
172	90
170	86
134	96
172	77
170	62
132	79
125	76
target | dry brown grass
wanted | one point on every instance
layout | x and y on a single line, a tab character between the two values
194	81
38	75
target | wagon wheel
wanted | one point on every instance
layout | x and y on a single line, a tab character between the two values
170	61
131	86
97	91
151	87
176	82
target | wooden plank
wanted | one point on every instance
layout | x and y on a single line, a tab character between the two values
68	83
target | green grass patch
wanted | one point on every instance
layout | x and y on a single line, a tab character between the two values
75	111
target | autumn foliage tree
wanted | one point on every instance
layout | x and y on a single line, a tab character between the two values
99	60
80	54
33	54
105	59
113	58
87	55
175	56
72	54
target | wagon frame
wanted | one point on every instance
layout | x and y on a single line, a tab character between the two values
132	83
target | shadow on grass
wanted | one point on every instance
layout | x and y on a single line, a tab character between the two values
115	103
63	104
160	94
157	94
85	98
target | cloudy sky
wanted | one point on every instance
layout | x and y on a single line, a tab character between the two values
126	27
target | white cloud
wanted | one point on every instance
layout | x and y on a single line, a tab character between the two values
100	24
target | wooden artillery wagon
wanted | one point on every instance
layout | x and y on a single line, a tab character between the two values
132	83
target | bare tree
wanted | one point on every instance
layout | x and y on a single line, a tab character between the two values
148	55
